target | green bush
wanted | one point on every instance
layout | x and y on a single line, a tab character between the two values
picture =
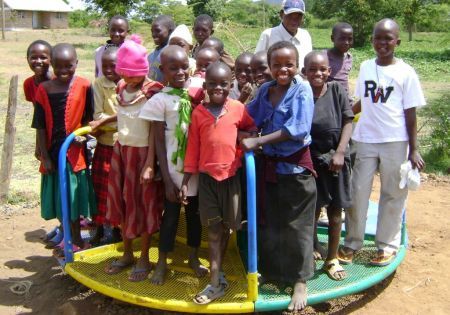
82	18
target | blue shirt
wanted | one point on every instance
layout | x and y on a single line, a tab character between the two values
154	61
293	115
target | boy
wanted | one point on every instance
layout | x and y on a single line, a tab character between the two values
162	27
170	110
340	60
386	135
242	85
260	69
292	14
217	44
183	38
211	151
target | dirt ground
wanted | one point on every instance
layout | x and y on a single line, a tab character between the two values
420	285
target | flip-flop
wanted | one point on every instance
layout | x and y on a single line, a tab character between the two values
50	234
222	280
58	252
331	267
139	274
345	255
55	240
209	294
383	259
117	266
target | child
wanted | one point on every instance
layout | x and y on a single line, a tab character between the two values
242	85
217	44
183	38
292	15
339	58
386	136
170	111
162	27
134	199
283	112
205	57
331	130
260	69
203	29
105	115
63	105
118	30
211	151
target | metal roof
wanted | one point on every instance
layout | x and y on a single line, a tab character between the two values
38	5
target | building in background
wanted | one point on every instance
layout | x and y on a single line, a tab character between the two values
36	14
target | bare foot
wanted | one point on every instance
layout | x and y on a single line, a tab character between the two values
140	271
199	269
159	273
298	299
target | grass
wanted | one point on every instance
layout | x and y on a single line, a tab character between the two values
429	54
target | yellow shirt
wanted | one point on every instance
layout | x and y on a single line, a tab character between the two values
105	105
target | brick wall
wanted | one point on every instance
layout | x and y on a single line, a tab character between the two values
55	20
17	19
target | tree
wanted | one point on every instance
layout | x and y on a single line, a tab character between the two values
411	14
148	10
198	6
112	7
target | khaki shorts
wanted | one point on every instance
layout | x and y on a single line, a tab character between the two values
220	201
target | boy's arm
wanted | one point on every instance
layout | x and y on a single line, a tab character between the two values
411	127
250	144
184	188
356	108
45	157
148	171
337	161
172	192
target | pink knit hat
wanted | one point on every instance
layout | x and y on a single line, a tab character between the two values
132	58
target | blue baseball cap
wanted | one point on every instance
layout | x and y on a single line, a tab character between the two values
293	6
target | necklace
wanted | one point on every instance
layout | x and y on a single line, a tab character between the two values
380	89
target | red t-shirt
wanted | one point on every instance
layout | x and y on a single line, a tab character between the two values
30	88
212	142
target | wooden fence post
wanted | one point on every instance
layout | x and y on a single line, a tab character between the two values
8	140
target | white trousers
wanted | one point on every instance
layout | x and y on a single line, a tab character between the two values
387	158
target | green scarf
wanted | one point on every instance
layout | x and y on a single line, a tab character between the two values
181	129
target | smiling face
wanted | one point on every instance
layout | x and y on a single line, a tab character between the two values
283	65
260	69
292	21
175	66
64	63
242	69
218	83
385	39
39	59
109	66
317	70
204	58
202	30
160	33
118	30
343	39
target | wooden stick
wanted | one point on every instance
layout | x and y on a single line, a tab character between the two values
8	141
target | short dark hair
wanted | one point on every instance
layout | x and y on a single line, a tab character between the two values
339	26
280	45
217	65
109	50
39	42
62	47
313	54
166	20
216	42
118	17
204	18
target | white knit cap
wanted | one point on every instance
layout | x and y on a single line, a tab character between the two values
182	31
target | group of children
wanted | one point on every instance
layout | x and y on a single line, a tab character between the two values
171	127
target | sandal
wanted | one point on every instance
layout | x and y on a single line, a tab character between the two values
139	274
209	294
58	251
345	255
383	259
117	266
47	237
222	280
55	240
333	268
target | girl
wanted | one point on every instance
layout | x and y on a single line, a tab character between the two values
135	200
118	30
105	115
331	130
63	105
283	111
38	57
162	27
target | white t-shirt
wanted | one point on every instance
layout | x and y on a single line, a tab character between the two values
132	130
385	93
164	107
302	41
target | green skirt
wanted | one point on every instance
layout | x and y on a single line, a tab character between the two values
81	195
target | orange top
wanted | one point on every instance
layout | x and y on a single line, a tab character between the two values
212	142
